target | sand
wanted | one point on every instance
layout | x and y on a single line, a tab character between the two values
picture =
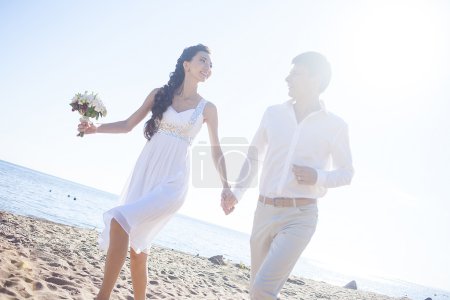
40	259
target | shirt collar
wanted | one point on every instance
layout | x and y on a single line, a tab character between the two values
323	109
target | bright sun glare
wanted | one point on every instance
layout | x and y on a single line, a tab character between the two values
395	46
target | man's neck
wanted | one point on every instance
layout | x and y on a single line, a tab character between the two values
306	105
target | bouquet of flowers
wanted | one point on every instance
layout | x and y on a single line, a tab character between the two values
88	106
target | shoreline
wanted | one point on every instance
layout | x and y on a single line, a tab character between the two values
41	259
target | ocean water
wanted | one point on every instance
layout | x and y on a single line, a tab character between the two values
32	193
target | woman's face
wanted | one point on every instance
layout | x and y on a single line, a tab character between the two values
199	67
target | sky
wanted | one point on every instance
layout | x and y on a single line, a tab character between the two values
391	70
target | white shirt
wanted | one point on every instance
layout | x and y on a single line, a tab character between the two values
319	139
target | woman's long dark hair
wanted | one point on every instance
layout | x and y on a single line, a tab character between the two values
164	96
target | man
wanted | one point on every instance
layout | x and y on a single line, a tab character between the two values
299	139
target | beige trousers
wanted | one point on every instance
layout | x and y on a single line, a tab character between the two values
279	236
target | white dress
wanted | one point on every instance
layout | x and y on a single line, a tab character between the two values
159	182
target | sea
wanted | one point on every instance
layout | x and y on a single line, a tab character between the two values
32	193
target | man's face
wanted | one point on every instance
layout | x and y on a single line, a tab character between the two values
301	83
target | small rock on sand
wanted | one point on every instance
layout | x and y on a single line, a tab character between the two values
351	285
217	260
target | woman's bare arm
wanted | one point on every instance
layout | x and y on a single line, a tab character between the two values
211	119
125	125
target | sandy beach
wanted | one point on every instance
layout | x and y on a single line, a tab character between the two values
40	259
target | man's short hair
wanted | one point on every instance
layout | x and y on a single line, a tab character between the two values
317	65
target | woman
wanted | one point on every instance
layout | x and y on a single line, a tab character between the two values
159	182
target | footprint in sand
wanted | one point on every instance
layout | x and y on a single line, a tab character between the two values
156	296
230	285
24	293
54	264
52	287
28	280
10	283
23	254
58	281
72	290
295	281
7	292
193	292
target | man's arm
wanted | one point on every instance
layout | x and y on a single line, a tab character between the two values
249	169
256	151
342	172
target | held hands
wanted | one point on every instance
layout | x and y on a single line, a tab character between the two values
87	128
228	201
305	175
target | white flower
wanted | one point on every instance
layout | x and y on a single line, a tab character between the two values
97	109
74	99
96	104
89	98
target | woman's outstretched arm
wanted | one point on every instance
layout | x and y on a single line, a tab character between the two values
211	119
125	125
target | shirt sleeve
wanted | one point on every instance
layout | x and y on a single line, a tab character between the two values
342	172
255	154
